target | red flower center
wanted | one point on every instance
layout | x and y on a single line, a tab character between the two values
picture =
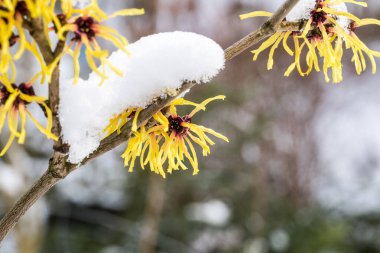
353	26
25	89
175	125
318	17
22	9
85	26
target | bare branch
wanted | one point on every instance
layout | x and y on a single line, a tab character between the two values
38	190
266	30
35	28
281	13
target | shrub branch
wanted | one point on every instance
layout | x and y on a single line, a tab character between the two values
59	168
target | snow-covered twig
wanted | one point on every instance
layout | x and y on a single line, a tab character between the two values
59	168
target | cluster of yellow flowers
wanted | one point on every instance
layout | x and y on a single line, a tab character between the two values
12	15
14	99
171	138
169	142
83	25
86	25
322	37
13	105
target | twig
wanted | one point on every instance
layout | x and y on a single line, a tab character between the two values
58	166
267	29
35	28
27	200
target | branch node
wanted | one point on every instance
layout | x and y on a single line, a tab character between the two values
63	149
57	165
269	27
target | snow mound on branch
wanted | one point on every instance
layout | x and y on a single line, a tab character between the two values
304	7
301	10
158	65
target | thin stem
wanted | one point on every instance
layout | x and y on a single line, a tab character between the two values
43	184
35	28
266	30
281	13
59	168
262	33
54	104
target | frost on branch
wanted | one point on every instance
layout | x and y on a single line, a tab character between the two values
157	66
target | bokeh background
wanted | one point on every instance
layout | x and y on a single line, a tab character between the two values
301	173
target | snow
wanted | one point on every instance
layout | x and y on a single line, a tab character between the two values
343	21
304	7
81	3
157	66
301	10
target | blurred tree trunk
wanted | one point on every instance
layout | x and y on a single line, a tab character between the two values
152	216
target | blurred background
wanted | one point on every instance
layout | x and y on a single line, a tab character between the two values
301	172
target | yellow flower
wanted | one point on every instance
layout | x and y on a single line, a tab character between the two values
120	120
10	18
13	14
323	37
13	105
7	40
86	26
166	146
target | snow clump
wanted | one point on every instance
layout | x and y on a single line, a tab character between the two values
157	66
